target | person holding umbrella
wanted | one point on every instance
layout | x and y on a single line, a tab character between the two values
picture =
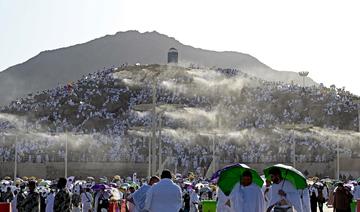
284	194
102	197
251	194
238	189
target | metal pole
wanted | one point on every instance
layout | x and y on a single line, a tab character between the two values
176	163
294	149
213	156
149	168
160	144
15	160
303	81
153	170
337	160
66	155
358	107
359	115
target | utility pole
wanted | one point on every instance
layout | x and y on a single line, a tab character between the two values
337	160
66	155
16	156
294	149
160	143
153	143
175	166
294	145
217	127
358	108
302	74
149	167
213	156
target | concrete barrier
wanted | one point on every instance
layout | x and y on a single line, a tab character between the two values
55	169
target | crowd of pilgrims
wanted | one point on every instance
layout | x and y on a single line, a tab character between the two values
99	103
186	154
175	193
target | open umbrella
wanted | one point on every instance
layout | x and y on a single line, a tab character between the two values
115	194
127	185
319	184
289	173
227	177
134	185
98	187
205	189
199	185
90	178
18	181
45	183
5	182
350	186
326	180
187	183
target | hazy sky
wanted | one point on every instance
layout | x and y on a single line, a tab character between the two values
320	36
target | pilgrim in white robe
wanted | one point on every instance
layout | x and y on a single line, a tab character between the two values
49	201
266	192
194	201
13	204
164	196
139	198
292	195
228	203
86	201
252	199
305	199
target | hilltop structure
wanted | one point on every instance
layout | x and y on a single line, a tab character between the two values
173	56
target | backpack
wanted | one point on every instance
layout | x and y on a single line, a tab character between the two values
103	202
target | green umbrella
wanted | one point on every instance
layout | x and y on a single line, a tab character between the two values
289	173
230	175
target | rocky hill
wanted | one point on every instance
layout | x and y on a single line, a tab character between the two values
50	68
109	116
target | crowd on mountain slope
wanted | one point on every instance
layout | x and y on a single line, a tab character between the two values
100	103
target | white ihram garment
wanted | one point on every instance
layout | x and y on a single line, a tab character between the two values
252	199
292	195
194	198
164	196
228	203
50	202
86	201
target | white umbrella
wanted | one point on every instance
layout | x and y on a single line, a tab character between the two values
115	194
199	185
